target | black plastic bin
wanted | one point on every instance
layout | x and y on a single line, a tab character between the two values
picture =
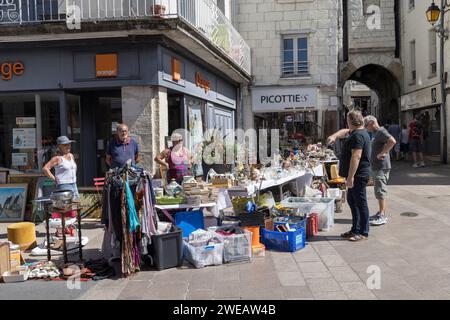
167	249
254	219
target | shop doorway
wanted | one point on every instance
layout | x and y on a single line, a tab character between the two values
92	120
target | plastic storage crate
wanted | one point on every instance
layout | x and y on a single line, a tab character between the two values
189	221
324	207
205	255
236	247
254	219
290	241
167	249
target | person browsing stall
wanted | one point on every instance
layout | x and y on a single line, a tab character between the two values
380	163
354	165
122	148
177	160
65	176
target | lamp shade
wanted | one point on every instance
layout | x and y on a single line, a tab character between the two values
433	13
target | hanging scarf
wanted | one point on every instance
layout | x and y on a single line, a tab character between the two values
132	215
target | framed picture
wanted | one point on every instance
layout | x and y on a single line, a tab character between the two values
13	198
4	176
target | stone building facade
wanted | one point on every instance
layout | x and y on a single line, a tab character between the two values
265	25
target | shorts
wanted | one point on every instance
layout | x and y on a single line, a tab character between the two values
70	186
404	147
380	183
416	145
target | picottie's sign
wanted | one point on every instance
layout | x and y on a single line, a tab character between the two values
278	99
202	82
10	69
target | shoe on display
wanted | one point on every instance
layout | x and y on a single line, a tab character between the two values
380	221
375	216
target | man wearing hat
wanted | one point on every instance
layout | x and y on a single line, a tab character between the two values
122	148
65	167
177	159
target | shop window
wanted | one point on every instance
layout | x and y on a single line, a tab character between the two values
295	56
20	147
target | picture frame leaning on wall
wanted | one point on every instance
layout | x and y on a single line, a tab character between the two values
13	199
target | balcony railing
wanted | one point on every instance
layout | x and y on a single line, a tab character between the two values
203	15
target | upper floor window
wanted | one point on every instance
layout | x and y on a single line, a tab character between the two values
413	61
412	4
295	56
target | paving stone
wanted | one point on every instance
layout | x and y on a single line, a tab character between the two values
357	291
199	295
261	294
226	291
333	261
338	295
297	292
134	290
344	274
111	293
317	275
291	279
323	285
313	267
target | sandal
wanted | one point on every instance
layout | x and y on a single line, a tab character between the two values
347	235
357	237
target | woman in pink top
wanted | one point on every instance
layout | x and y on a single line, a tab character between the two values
177	159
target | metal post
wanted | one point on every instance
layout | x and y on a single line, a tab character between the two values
443	89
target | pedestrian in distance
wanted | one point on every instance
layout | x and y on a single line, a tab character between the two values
415	135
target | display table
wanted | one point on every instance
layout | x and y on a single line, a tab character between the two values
251	189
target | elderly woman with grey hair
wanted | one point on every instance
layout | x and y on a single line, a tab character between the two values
355	167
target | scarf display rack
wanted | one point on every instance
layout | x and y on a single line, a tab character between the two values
129	216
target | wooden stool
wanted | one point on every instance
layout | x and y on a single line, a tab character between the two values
22	234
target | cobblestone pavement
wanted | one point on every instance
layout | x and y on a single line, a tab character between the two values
411	252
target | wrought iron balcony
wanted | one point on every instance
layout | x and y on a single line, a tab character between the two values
203	15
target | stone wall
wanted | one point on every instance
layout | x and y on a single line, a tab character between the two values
367	30
144	110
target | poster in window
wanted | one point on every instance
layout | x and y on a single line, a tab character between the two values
196	133
19	159
24	138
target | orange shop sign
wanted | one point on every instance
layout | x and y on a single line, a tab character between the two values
106	65
202	83
10	69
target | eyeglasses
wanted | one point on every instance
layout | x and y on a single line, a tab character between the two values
123	131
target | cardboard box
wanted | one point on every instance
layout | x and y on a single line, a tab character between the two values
5	264
16	259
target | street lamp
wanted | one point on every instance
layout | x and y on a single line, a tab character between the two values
434	13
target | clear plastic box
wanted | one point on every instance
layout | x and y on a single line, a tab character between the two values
203	255
236	247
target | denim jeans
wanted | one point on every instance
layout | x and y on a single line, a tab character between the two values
69	186
357	200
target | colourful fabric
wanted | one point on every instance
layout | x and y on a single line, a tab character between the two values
132	214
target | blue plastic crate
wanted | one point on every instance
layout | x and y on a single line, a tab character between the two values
189	221
294	222
290	241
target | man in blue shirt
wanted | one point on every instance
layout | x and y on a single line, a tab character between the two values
122	148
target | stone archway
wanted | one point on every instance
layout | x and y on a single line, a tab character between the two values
382	75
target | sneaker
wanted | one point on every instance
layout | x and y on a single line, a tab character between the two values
357	237
421	165
415	165
379	222
375	216
347	235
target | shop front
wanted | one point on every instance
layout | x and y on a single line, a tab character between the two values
427	104
292	110
84	91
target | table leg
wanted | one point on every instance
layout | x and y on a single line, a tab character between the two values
63	224
47	229
80	246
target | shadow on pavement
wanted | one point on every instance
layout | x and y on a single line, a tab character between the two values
434	173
